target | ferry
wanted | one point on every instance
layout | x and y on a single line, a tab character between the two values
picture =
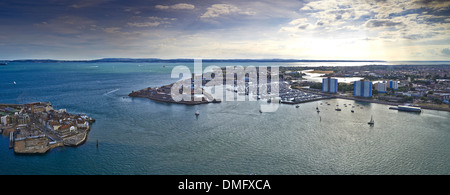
407	108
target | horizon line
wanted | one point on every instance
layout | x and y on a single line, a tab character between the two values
211	59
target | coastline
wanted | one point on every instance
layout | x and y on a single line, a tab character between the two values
377	101
163	94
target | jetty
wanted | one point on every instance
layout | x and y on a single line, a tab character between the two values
11	140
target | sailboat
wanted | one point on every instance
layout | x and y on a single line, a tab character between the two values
371	122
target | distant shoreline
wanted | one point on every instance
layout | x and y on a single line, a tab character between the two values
182	60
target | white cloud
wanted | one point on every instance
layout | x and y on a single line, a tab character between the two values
182	6
179	6
144	24
386	19
162	7
217	10
298	21
153	22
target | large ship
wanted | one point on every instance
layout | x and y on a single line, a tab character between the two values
407	108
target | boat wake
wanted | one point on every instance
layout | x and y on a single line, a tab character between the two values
109	92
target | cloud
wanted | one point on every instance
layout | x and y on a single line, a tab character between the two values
381	19
446	51
112	30
438	5
179	6
298	21
143	24
303	26
153	22
382	23
217	10
182	6
162	7
67	24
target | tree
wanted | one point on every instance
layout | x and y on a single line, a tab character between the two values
406	99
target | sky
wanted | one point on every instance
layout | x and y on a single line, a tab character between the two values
405	30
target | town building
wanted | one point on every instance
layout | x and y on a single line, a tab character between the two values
393	85
363	89
5	120
329	85
381	87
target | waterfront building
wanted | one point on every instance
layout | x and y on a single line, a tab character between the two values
381	87
393	85
363	89
5	120
329	85
23	119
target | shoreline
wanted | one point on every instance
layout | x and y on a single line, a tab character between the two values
153	94
163	94
377	101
